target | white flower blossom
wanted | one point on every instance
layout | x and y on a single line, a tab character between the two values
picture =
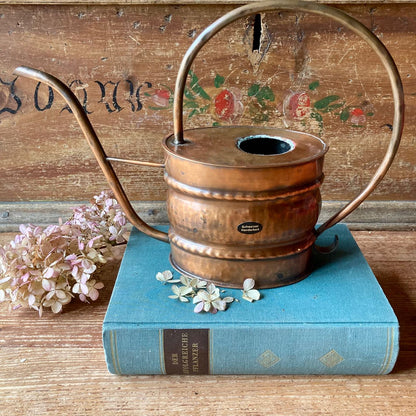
249	293
181	293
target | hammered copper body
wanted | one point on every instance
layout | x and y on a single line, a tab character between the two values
242	201
235	214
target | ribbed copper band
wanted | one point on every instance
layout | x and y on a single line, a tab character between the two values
241	196
243	253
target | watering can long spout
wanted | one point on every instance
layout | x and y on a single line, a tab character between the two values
103	160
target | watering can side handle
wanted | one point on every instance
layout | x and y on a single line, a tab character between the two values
347	21
98	150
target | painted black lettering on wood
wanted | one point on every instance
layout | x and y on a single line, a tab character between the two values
139	104
15	98
84	101
36	98
116	106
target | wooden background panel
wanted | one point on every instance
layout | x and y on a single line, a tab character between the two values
122	61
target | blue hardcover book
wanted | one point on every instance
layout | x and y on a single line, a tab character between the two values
336	321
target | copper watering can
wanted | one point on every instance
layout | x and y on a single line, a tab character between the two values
242	201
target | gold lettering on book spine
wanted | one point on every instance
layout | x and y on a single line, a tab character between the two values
186	351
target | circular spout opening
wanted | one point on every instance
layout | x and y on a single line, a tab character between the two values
265	145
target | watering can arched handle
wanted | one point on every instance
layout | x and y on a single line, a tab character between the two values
93	141
337	15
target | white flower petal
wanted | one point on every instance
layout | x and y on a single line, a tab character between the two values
84	289
5	279
185	280
49	296
201	284
48	273
175	290
204	295
56	307
186	290
60	294
164	276
93	294
197	299
253	294
48	284
199	307
219	304
31	300
248	284
211	288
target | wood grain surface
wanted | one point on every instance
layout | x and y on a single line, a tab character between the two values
188	2
55	365
303	72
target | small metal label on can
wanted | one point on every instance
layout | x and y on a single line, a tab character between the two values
250	227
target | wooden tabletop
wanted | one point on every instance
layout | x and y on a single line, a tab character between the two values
55	365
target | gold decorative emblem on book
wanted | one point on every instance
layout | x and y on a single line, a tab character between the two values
268	359
331	359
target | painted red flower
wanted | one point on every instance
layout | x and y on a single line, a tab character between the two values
228	105
161	97
358	117
297	105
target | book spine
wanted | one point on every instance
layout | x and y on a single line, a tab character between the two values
287	349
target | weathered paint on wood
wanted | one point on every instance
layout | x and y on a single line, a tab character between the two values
56	365
308	74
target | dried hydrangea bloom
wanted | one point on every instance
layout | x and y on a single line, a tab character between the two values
46	267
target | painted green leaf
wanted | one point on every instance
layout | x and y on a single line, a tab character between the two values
194	78
317	117
188	94
190	104
345	114
216	124
201	92
196	88
370	114
260	117
324	102
218	81
333	107
265	94
192	113
314	85
253	90
204	109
